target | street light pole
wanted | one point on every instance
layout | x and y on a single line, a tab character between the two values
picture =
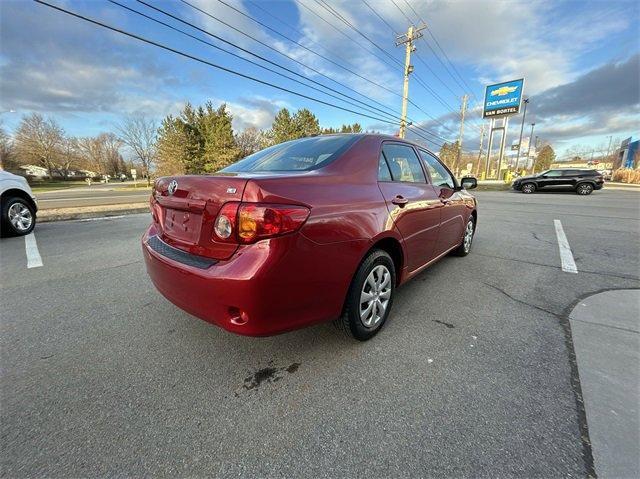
524	115
529	148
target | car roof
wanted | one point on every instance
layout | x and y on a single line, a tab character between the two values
383	137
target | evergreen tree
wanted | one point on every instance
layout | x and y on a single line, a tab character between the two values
282	129
305	123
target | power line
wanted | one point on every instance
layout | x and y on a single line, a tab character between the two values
205	62
275	50
380	17
285	55
208	63
348	23
423	84
441	49
362	104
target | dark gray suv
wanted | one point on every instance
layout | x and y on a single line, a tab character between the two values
583	182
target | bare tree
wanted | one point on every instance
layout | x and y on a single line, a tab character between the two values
38	140
102	153
139	133
249	141
8	157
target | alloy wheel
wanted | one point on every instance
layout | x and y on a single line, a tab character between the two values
468	237
20	217
528	188
584	189
375	295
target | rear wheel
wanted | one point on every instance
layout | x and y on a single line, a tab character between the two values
370	297
17	217
528	188
584	188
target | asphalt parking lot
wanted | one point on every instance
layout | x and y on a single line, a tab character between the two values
473	375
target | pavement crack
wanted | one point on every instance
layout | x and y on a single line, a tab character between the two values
448	325
519	300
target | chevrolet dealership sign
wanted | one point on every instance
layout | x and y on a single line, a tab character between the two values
503	99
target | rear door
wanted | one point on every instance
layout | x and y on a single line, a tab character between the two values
452	218
412	203
184	209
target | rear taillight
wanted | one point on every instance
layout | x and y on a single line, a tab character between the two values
250	222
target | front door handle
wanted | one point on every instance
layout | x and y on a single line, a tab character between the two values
400	201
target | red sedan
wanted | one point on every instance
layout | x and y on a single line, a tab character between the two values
316	229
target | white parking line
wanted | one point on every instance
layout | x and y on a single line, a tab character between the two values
566	257
33	255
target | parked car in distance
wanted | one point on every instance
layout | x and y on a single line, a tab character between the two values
18	205
583	182
311	230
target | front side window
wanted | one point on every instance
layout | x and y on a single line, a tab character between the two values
439	174
305	154
403	163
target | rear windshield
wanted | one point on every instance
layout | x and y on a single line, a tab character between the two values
305	154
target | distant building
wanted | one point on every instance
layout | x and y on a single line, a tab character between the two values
583	163
628	155
34	171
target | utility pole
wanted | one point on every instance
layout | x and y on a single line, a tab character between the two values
480	151
524	115
529	148
608	153
407	39
463	110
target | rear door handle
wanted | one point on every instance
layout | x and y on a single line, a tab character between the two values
400	201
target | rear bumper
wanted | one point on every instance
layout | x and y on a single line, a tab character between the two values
266	288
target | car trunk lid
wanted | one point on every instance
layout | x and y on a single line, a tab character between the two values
184	209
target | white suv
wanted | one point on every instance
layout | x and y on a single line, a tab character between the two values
18	206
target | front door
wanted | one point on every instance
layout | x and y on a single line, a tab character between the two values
413	204
452	218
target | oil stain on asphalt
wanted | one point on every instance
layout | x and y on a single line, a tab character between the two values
269	374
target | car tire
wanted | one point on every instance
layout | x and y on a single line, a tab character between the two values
584	189
467	239
374	280
528	188
17	217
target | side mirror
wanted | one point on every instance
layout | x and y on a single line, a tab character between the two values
468	182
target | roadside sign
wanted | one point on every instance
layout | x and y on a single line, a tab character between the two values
515	147
134	173
503	99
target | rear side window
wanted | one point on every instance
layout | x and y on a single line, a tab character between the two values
403	163
383	169
305	154
440	176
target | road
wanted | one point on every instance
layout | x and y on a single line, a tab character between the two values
474	374
94	196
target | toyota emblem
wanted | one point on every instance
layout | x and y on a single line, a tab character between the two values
173	186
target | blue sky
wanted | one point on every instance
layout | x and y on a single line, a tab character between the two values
580	60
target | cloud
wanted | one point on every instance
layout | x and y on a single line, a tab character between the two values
609	88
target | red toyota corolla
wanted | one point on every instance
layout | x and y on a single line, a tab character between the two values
316	229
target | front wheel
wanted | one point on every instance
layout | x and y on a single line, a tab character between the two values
18	217
528	188
370	297
467	238
584	189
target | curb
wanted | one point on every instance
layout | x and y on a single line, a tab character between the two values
45	216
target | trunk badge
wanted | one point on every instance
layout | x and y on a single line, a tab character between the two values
173	186
231	190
